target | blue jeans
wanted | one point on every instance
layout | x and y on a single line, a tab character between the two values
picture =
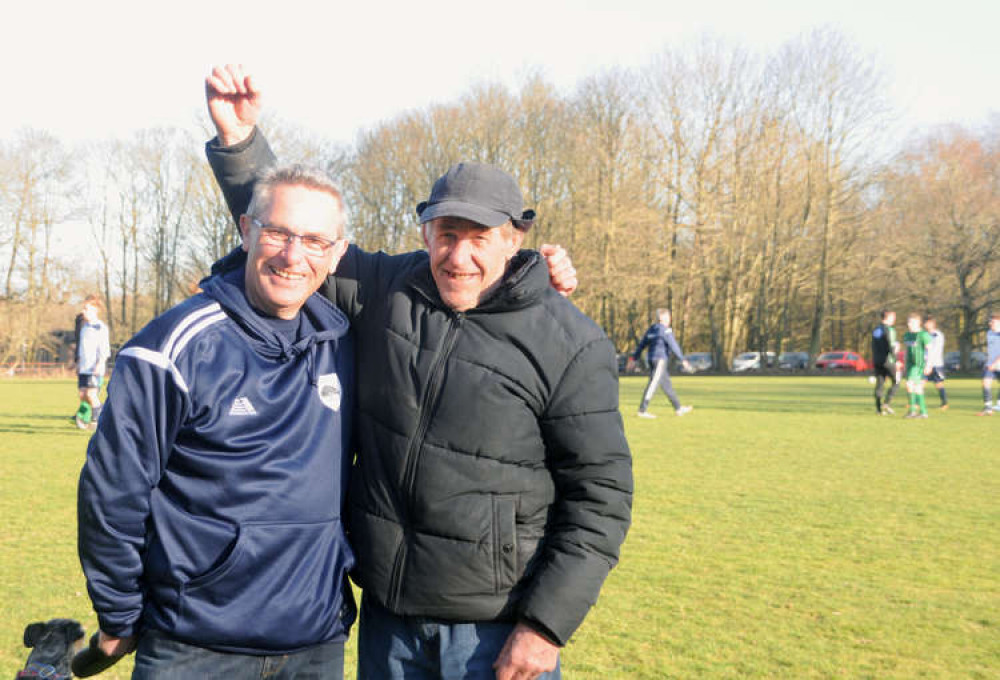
392	647
159	657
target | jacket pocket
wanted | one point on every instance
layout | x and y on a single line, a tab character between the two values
504	542
281	588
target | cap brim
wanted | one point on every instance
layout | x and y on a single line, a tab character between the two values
467	211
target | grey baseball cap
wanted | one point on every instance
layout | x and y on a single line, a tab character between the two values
479	192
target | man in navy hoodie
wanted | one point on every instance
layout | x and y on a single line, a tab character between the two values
210	502
659	341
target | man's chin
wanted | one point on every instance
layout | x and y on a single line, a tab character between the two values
283	300
458	302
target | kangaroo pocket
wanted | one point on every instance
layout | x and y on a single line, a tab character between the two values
281	588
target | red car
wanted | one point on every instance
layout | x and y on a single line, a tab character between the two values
842	360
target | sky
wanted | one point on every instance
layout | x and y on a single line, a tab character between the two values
103	69
94	70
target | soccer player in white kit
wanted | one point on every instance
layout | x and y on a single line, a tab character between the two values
935	359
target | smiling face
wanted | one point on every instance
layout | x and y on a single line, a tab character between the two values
468	260
280	278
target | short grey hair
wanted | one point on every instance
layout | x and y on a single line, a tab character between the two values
295	174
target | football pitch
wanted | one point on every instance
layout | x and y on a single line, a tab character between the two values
781	530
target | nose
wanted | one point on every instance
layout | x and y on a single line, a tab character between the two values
460	251
293	250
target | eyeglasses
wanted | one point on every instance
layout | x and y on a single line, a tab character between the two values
279	237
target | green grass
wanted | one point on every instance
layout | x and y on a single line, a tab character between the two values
781	530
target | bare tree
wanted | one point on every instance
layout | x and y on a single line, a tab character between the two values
840	106
944	192
37	191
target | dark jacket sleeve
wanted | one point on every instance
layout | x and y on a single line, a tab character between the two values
357	277
125	459
236	168
592	468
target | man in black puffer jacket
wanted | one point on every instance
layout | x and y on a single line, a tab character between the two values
493	484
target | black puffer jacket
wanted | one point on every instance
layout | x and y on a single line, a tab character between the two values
493	480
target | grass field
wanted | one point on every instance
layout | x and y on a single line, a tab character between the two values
781	530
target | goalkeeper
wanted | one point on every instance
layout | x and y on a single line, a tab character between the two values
884	348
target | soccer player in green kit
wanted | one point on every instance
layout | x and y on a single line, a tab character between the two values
916	342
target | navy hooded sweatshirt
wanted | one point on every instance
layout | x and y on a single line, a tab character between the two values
661	343
210	503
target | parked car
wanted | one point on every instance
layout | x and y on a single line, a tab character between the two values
793	361
842	360
750	361
700	361
953	360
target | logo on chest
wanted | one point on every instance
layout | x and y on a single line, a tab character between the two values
242	406
328	388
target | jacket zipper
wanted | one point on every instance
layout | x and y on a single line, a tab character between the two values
413	453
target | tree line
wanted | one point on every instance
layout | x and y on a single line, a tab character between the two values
761	197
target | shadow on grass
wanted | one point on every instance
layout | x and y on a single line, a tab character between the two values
66	417
842	399
64	430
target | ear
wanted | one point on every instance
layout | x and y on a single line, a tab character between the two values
74	630
32	633
338	252
245	231
423	232
516	239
